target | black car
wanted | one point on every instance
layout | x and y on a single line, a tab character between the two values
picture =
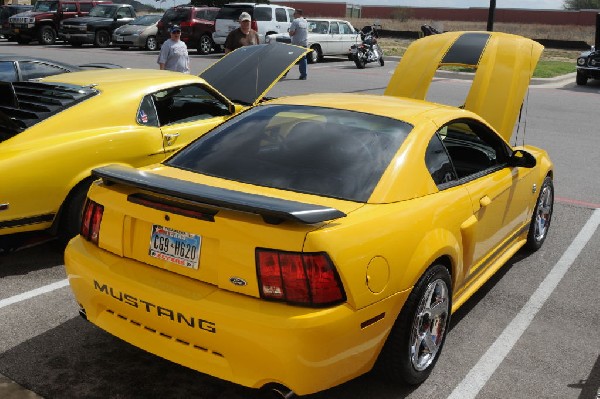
16	68
7	11
588	66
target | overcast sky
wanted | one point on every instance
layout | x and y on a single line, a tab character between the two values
527	4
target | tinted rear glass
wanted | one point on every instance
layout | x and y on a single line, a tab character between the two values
176	15
263	14
234	12
322	151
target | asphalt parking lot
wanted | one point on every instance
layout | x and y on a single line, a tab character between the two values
533	331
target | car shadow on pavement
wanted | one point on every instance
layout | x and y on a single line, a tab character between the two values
26	252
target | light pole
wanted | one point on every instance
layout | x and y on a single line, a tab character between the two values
490	23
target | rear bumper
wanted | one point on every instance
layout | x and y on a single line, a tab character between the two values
234	337
129	40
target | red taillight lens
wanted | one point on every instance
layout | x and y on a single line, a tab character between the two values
298	278
90	221
254	25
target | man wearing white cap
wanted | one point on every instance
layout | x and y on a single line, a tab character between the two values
242	36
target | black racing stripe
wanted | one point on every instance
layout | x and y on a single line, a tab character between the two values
467	49
27	221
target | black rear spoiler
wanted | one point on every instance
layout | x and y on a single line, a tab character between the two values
268	207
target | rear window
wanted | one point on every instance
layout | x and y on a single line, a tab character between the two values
176	15
263	14
327	152
208	15
234	12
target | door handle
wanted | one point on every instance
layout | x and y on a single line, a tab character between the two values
170	138
485	201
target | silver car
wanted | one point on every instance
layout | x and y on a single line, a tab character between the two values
325	37
141	32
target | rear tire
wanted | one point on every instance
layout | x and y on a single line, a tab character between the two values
418	335
70	222
542	216
102	39
151	43
205	45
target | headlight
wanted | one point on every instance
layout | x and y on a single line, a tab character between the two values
581	61
30	20
593	62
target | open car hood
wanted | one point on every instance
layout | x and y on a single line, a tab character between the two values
504	65
245	75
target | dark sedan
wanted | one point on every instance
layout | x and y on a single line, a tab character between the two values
15	68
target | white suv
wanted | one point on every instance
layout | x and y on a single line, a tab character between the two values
267	19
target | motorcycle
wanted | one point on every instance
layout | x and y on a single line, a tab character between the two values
368	50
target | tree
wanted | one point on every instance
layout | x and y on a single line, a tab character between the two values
581	4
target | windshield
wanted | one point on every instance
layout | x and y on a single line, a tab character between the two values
145	20
104	11
323	151
46	6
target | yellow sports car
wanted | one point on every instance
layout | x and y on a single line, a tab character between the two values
54	132
301	241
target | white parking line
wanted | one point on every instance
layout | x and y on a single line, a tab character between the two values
470	386
33	293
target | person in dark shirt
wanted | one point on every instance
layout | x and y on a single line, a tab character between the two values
242	36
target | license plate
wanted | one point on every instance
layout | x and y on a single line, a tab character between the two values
119	38
17	30
175	246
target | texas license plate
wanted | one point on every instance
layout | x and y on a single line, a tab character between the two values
175	246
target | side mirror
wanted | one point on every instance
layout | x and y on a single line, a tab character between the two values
522	159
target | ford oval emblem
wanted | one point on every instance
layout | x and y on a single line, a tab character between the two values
238	281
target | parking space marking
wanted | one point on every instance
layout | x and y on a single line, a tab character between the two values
33	293
478	376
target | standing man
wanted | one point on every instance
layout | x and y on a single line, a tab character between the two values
299	34
173	54
242	36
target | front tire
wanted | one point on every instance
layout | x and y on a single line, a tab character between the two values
314	56
359	61
580	79
205	45
102	39
47	36
418	335
542	215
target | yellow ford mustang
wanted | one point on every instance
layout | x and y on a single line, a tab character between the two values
54	132
308	237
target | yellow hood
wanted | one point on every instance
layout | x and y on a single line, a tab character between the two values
504	65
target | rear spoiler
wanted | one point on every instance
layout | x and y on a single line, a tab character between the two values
271	209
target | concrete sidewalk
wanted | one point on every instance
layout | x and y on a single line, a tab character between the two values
11	390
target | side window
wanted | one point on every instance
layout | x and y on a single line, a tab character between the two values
186	104
472	147
438	162
263	14
69	7
147	113
124	12
335	29
345	28
85	7
8	72
280	15
290	13
34	70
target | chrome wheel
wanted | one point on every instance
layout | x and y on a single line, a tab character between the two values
205	45
543	213
151	43
429	325
542	216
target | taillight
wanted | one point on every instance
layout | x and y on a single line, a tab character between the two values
90	221
254	25
298	278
